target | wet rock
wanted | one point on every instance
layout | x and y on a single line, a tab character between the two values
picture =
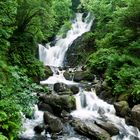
38	129
65	113
106	95
74	89
98	86
45	107
54	122
135	115
60	102
62	89
135	112
83	75
80	50
88	128
123	97
59	87
122	108
109	127
78	76
67	76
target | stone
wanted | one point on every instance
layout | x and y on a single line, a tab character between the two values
109	127
106	95
38	129
74	89
45	107
62	89
122	108
88	128
80	49
123	97
59	87
83	75
67	76
135	112
60	102
55	124
135	116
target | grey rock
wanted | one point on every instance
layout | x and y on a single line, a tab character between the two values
90	129
54	122
60	102
74	89
122	108
135	116
38	129
109	127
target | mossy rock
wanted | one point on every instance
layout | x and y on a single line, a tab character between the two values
80	49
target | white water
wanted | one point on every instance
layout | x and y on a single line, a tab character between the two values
97	109
57	77
29	124
54	56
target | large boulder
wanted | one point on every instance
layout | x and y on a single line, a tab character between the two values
38	129
90	129
105	95
59	87
54	123
67	75
135	112
62	89
79	50
74	89
60	102
83	76
135	115
45	107
122	108
109	127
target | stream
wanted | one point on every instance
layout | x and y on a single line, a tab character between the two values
88	105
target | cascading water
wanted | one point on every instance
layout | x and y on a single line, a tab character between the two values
89	106
93	108
54	57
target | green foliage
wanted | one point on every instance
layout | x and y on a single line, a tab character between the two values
117	38
64	29
62	10
23	24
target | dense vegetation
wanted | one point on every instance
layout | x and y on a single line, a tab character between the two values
23	24
117	44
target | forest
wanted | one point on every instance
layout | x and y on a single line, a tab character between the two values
26	23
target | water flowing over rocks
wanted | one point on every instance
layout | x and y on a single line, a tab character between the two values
90	129
59	102
108	126
54	123
73	99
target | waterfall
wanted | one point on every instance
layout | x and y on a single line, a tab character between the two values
54	56
88	105
97	109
